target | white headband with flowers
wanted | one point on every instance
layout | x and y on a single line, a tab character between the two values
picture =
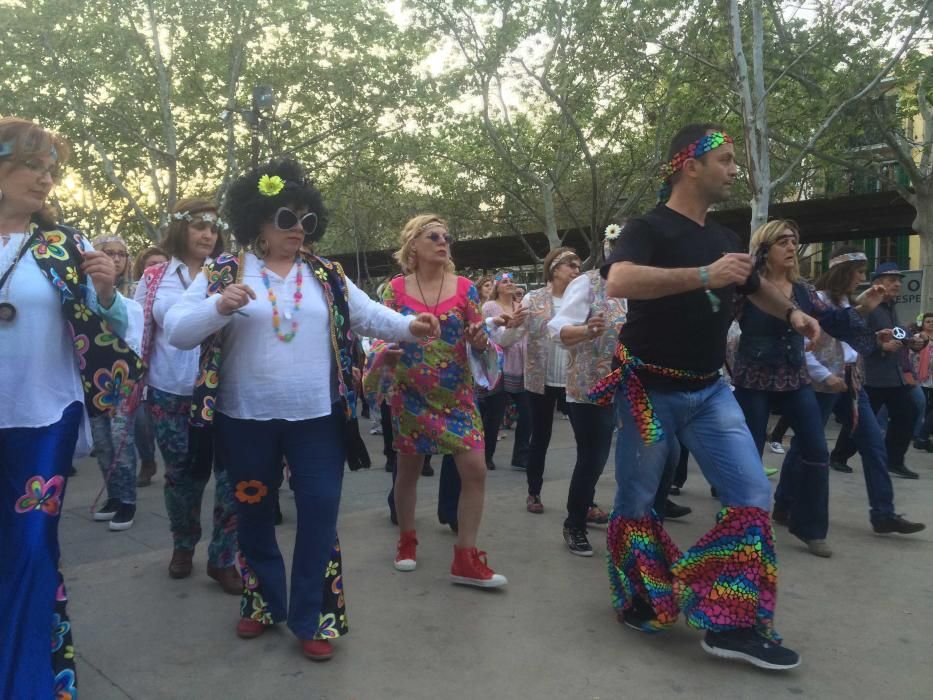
208	216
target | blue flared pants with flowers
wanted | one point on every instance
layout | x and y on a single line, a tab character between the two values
33	465
315	451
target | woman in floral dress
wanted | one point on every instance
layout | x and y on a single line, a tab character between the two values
430	391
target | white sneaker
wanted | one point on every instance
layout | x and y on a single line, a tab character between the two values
776	447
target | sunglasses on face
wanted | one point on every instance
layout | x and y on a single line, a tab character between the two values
285	220
202	225
436	237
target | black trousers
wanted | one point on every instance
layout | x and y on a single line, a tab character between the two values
542	420
492	411
592	431
902	415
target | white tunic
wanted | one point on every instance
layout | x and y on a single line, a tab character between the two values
261	377
39	375
170	369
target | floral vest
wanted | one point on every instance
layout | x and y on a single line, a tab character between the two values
540	312
222	272
592	360
109	369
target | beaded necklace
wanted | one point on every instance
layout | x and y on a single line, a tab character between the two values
293	316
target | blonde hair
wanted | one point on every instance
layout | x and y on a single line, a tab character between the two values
405	255
768	234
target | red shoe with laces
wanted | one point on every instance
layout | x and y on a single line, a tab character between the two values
317	649
248	629
405	555
470	569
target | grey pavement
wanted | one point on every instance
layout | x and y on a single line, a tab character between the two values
861	620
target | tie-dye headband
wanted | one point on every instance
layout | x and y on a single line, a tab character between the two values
848	257
696	149
503	277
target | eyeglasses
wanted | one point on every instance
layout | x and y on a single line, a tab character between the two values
285	220
571	265
115	254
203	225
39	169
436	237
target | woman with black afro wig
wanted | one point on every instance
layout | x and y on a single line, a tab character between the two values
246	208
276	327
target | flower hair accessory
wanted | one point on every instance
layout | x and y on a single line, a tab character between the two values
270	185
208	216
503	277
613	231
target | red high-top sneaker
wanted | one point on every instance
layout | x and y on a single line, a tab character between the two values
470	569
405	557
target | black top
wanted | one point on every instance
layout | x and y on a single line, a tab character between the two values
678	331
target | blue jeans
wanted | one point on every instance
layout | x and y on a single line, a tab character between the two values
805	478
869	440
592	431
711	425
315	450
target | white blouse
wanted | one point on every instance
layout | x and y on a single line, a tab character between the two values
557	355
170	369
39	375
261	377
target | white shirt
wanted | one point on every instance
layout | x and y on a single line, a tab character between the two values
170	369
39	375
572	309
557	355
261	377
817	370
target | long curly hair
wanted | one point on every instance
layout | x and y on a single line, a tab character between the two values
245	208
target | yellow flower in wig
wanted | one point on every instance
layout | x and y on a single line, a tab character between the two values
270	185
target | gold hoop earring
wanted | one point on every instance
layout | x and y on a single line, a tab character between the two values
261	247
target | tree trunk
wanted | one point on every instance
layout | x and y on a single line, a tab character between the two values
923	225
550	218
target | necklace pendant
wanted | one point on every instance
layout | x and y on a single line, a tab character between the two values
7	312
288	315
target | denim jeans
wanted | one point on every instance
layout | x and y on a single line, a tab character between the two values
711	425
592	431
805	479
870	444
315	450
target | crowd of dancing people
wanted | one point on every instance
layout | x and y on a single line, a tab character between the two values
243	355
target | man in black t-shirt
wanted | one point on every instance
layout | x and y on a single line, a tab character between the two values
679	272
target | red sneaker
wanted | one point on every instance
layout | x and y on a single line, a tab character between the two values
405	555
470	569
317	649
248	629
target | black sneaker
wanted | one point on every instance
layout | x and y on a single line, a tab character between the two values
490	465
840	467
577	542
108	510
673	511
640	616
749	646
902	471
896	523
123	519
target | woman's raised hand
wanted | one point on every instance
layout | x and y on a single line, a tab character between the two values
234	297
476	336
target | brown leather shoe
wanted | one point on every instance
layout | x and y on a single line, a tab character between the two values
228	577
180	566
147	470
